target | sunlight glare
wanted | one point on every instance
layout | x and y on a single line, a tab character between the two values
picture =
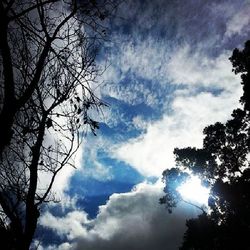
193	191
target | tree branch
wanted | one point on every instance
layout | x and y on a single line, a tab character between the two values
42	3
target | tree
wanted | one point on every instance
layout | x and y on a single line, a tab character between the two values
47	69
223	165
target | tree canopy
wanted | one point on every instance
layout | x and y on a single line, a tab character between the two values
223	165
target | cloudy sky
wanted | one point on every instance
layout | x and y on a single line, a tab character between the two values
168	77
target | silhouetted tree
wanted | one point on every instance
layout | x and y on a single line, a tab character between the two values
223	165
47	68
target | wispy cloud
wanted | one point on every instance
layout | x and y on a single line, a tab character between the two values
194	67
239	23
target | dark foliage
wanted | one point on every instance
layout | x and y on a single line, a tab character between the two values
174	177
223	165
47	67
241	65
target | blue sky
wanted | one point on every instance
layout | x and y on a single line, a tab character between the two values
168	76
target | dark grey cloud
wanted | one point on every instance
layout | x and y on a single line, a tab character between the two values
178	22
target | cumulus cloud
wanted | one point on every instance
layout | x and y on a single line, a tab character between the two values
72	225
133	220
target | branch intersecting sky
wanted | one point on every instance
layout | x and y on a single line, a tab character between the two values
168	77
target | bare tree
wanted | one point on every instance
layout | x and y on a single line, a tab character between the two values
48	50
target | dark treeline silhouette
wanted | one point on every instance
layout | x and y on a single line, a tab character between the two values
47	67
223	165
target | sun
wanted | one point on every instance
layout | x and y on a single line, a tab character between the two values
193	191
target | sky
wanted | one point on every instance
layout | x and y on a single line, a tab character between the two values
168	76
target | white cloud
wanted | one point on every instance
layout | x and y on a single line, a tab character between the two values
192	110
133	220
62	180
72	225
139	122
135	92
239	21
63	246
131	64
91	166
194	68
152	152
